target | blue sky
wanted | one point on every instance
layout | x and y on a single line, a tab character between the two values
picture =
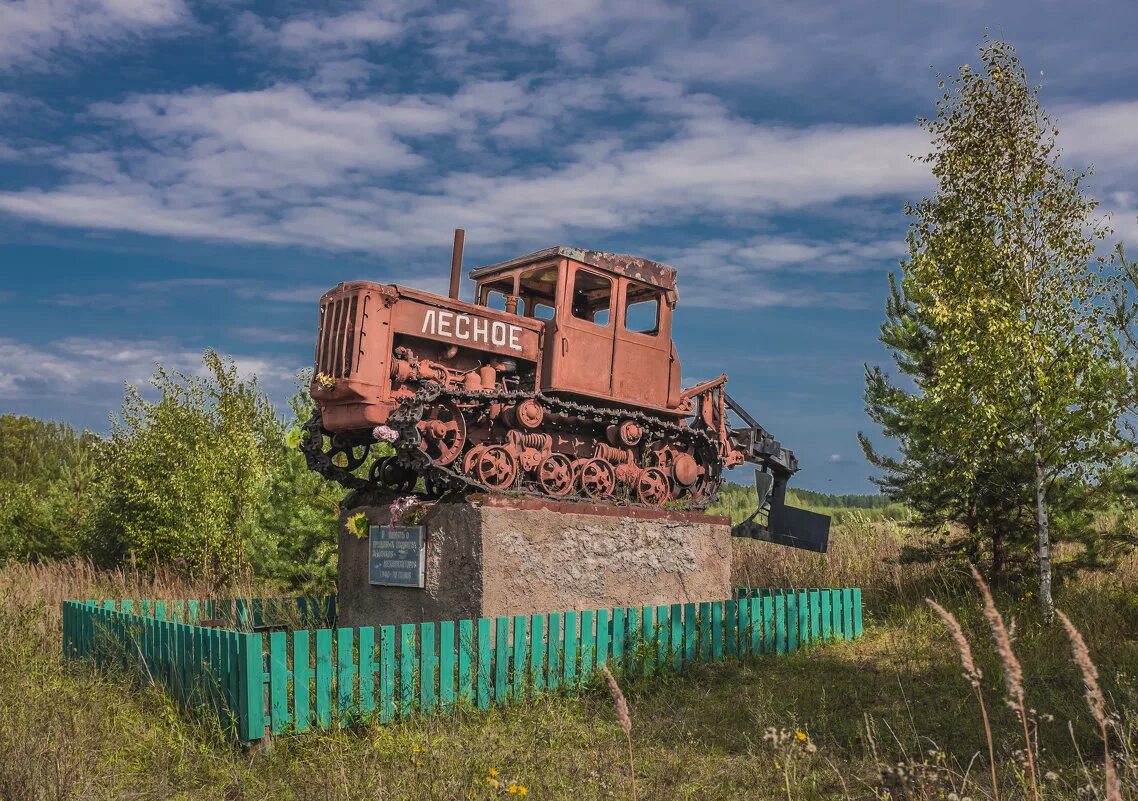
178	175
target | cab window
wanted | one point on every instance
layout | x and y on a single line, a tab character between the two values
493	295
538	290
642	310
592	297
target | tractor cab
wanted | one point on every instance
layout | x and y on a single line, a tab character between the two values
608	322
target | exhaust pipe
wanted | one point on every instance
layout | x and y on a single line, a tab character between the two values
456	263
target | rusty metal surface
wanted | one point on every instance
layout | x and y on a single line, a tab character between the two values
456	263
581	406
635	267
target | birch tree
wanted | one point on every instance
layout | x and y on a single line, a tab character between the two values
1003	264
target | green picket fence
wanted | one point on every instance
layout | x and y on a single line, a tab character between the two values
298	679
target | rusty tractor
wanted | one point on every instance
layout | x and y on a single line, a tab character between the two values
560	380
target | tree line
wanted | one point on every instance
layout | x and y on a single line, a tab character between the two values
206	479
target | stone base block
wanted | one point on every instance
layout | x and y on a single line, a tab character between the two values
505	557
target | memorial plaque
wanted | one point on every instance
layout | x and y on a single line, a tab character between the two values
397	556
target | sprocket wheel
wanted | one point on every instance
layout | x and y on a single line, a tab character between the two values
442	432
388	473
555	475
350	458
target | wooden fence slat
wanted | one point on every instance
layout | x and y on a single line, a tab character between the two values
803	618
569	652
704	632
366	704
649	637
301	681
182	654
836	614
847	614
345	673
780	624
278	682
588	645
250	655
428	668
691	646
633	640
791	622
466	661
663	637
619	616
408	657
226	675
501	659
386	673
676	636
485	649
553	663
815	615
742	627
825	614
755	624
604	636
521	653
730	621
201	641
717	631
855	599
537	653
323	678
446	665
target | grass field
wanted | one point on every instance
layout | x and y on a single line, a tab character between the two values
888	716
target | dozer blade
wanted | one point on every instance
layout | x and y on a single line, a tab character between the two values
786	525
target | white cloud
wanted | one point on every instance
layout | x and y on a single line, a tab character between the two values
34	32
282	166
837	458
90	370
769	253
371	24
1107	133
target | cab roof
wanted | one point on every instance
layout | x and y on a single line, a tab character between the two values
635	267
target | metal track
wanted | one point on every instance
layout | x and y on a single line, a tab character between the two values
411	457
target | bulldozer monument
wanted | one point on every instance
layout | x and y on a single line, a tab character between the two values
543	435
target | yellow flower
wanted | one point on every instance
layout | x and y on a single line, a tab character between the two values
777	766
358	525
493	772
512	789
517	789
800	736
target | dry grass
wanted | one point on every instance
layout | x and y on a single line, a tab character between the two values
888	713
1013	675
624	718
973	674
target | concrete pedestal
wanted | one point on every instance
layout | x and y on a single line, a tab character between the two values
506	557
